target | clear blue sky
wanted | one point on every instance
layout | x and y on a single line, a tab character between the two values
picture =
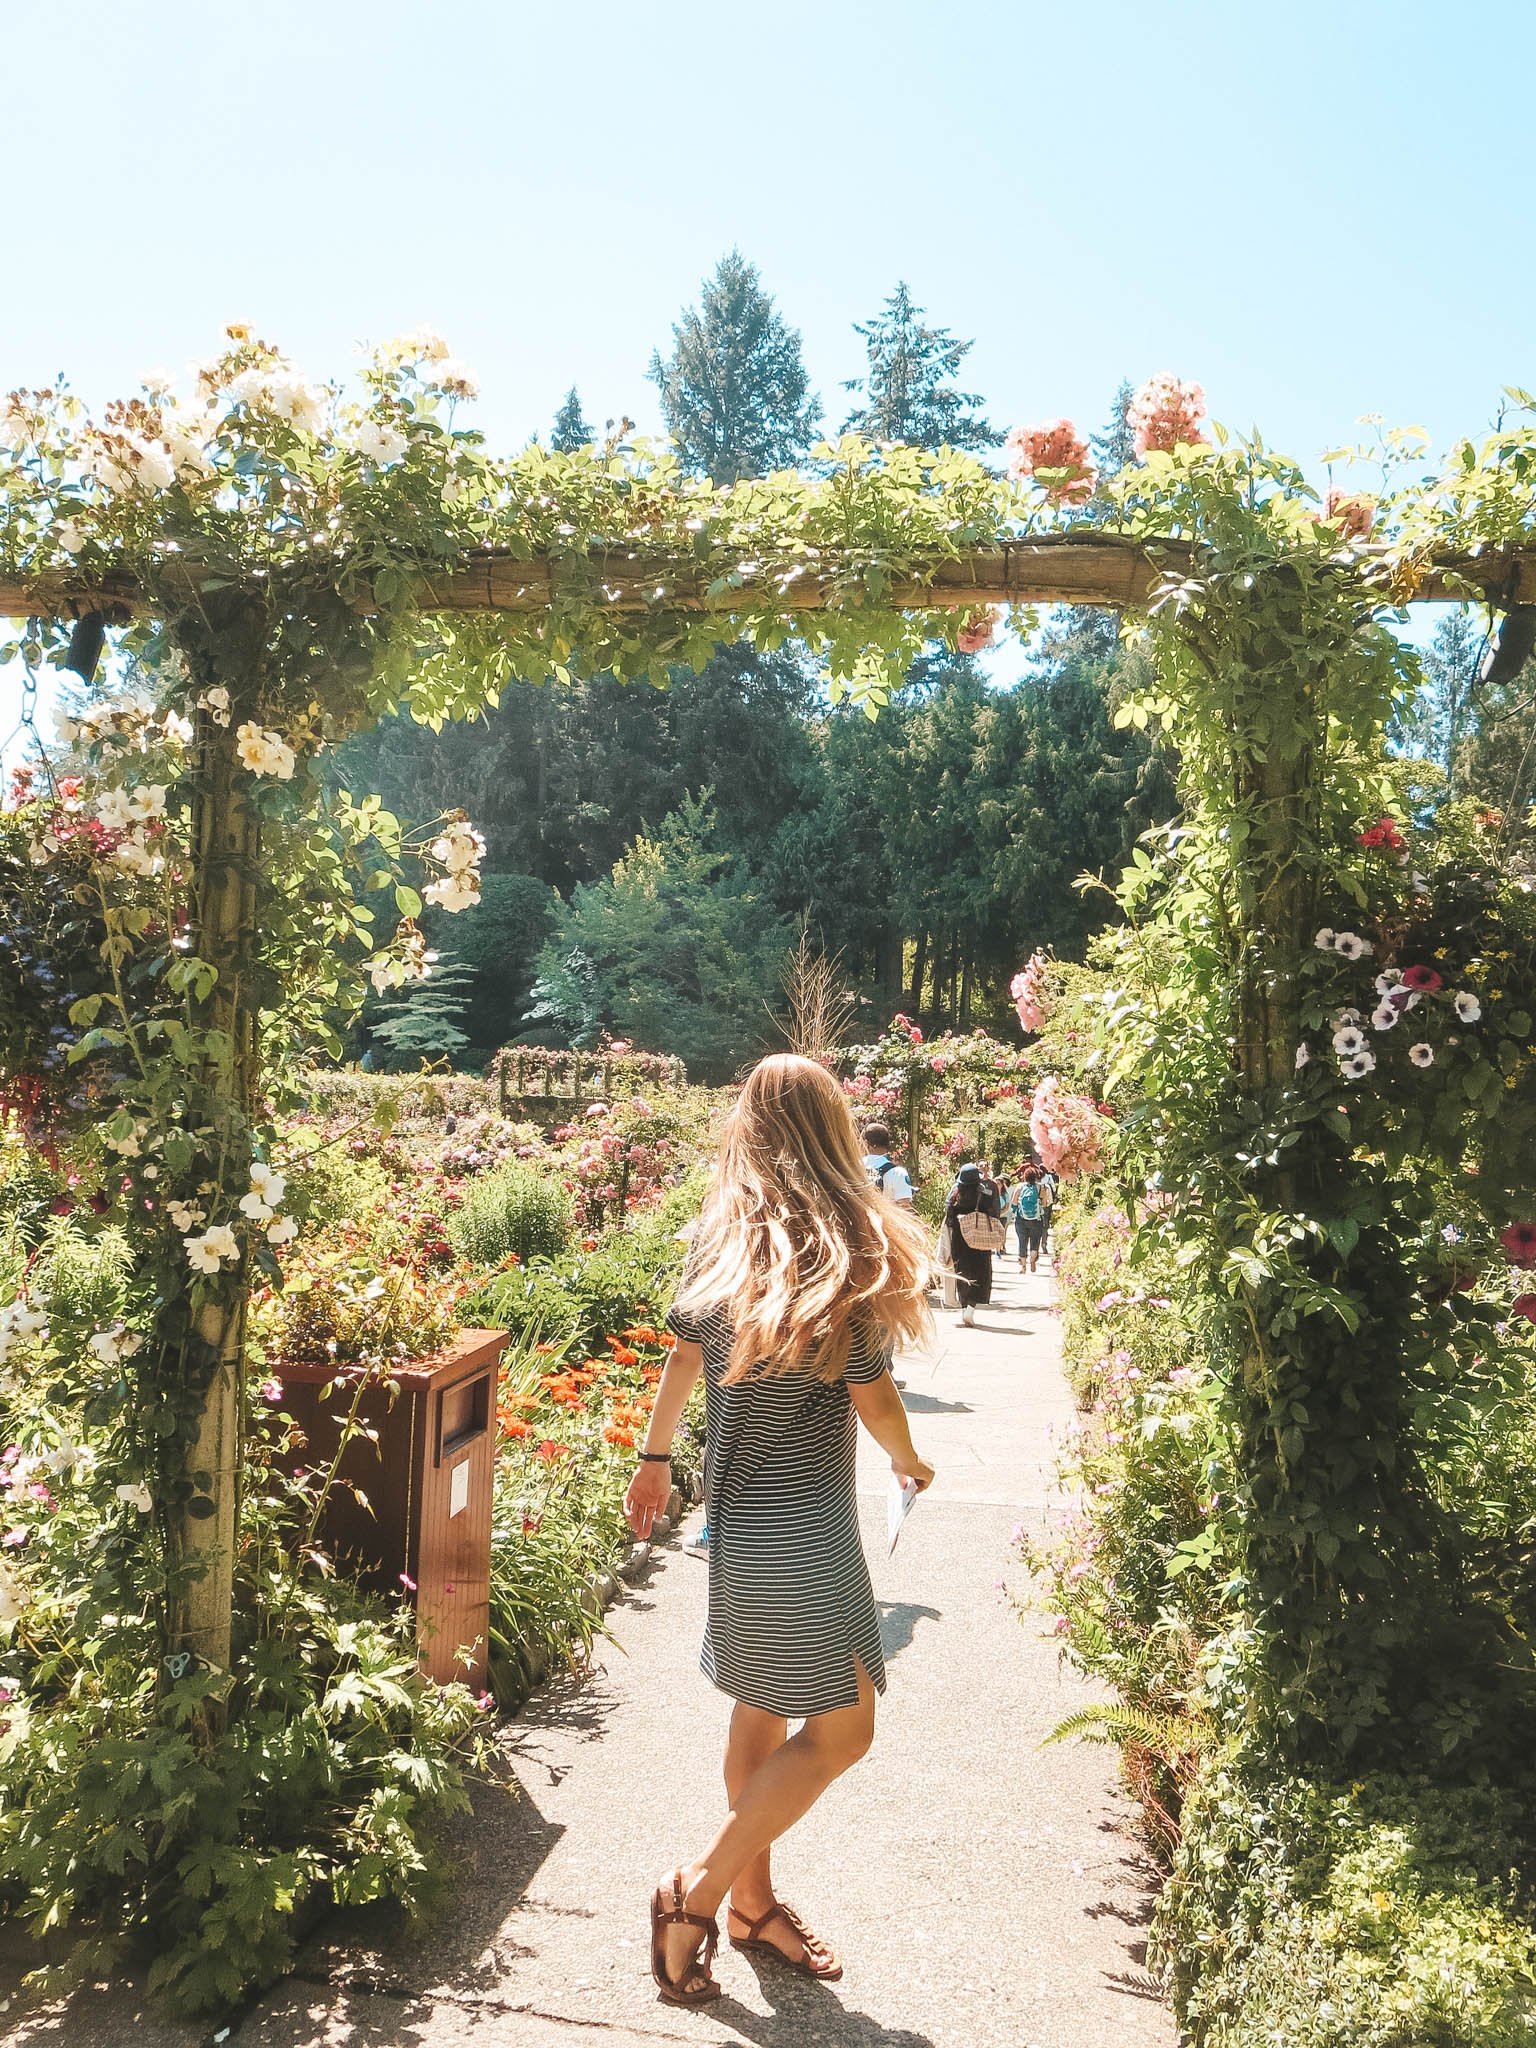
1317	210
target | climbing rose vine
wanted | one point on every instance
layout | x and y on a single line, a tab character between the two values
1068	1130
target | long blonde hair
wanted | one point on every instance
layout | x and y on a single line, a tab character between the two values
793	1243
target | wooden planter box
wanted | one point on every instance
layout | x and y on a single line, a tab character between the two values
426	1473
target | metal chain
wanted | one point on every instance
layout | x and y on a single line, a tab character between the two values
27	722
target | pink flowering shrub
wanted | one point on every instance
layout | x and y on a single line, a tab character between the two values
1028	990
1068	1130
1056	457
1166	413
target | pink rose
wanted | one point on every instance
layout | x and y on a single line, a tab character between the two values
1165	414
1055	455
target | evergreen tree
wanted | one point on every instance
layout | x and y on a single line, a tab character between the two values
423	1022
677	949
498	940
734	391
1114	446
1442	722
907	392
570	430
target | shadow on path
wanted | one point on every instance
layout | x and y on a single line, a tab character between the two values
898	1624
804	2012
930	1404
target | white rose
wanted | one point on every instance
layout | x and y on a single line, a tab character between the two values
284	1231
114	810
380	443
136	1497
453	892
156	470
135	858
207	1252
455	379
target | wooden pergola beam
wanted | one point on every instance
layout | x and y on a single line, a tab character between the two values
1088	568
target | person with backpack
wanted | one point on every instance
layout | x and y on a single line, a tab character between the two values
1027	1208
884	1173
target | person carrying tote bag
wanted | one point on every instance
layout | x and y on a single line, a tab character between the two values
945	1259
973	1217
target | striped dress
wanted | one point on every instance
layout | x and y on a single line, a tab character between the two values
790	1603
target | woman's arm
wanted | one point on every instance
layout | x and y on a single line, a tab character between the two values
651	1487
878	1406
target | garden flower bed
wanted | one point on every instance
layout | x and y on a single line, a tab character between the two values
377	1271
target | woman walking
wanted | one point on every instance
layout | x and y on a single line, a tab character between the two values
969	1210
801	1280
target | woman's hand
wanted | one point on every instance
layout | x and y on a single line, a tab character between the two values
915	1468
649	1492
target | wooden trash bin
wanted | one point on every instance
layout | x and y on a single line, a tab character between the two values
426	1472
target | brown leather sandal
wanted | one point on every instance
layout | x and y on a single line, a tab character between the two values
818	1960
676	1990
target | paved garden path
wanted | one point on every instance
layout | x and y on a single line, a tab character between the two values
983	1890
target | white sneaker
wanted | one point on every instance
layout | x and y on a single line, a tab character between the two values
968	1317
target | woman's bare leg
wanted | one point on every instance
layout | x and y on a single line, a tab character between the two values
783	1787
753	1738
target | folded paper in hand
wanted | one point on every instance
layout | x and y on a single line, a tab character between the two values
898	1506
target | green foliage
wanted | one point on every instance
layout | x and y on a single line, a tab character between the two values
122	1825
82	1278
28	1188
734	392
906	390
1383	1913
50	950
675	948
360	1299
518	1211
615	1280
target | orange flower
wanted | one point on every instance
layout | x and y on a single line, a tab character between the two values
546	1350
514	1426
625	1438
